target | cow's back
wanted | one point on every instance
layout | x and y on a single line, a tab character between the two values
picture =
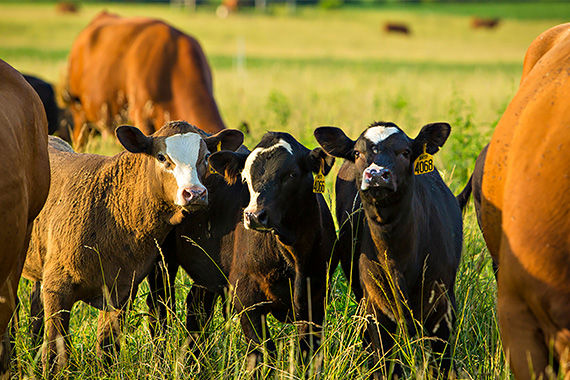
24	185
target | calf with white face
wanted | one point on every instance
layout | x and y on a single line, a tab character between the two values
96	238
408	242
283	237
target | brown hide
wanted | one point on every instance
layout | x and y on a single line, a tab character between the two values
96	239
525	206
24	185
145	66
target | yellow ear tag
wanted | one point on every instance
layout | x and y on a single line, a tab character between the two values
424	163
319	183
218	148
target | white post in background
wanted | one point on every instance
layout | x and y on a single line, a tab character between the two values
190	5
240	55
291	6
261	5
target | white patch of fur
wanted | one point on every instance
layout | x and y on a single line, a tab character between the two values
246	172
379	133
363	184
184	150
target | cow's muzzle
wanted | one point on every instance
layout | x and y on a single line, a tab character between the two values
376	176
256	220
193	197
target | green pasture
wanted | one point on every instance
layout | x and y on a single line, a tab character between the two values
294	70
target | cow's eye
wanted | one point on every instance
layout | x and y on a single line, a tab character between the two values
375	149
161	157
405	154
356	154
292	175
206	157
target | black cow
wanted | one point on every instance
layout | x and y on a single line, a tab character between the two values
267	233
408	237
47	96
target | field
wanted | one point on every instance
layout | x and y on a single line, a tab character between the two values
294	70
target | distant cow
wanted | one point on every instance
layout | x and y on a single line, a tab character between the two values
24	185
486	23
96	239
408	237
269	234
392	27
66	7
142	68
47	96
525	203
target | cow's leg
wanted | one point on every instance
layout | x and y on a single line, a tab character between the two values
200	305
523	340
37	314
8	302
440	307
249	304
161	298
109	327
58	304
380	332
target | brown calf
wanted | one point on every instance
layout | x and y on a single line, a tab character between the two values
96	239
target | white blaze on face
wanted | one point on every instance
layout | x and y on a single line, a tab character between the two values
184	150
379	133
246	172
365	184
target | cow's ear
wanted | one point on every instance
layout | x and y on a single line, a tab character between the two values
320	160
433	136
229	164
226	139
133	139
335	142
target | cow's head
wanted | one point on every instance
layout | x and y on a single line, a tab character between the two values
383	156
279	176
178	154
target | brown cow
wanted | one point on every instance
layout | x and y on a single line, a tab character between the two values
486	23
24	185
392	27
525	208
143	67
97	237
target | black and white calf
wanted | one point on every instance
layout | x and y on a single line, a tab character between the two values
407	239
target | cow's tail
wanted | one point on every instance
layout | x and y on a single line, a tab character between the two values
463	197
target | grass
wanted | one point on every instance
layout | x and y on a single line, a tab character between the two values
302	70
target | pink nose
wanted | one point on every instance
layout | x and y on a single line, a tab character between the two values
194	194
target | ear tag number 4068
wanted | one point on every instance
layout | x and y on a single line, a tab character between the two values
319	183
424	163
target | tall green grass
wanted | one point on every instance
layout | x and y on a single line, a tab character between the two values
301	71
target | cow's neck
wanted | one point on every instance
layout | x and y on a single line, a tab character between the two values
391	225
137	205
303	219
